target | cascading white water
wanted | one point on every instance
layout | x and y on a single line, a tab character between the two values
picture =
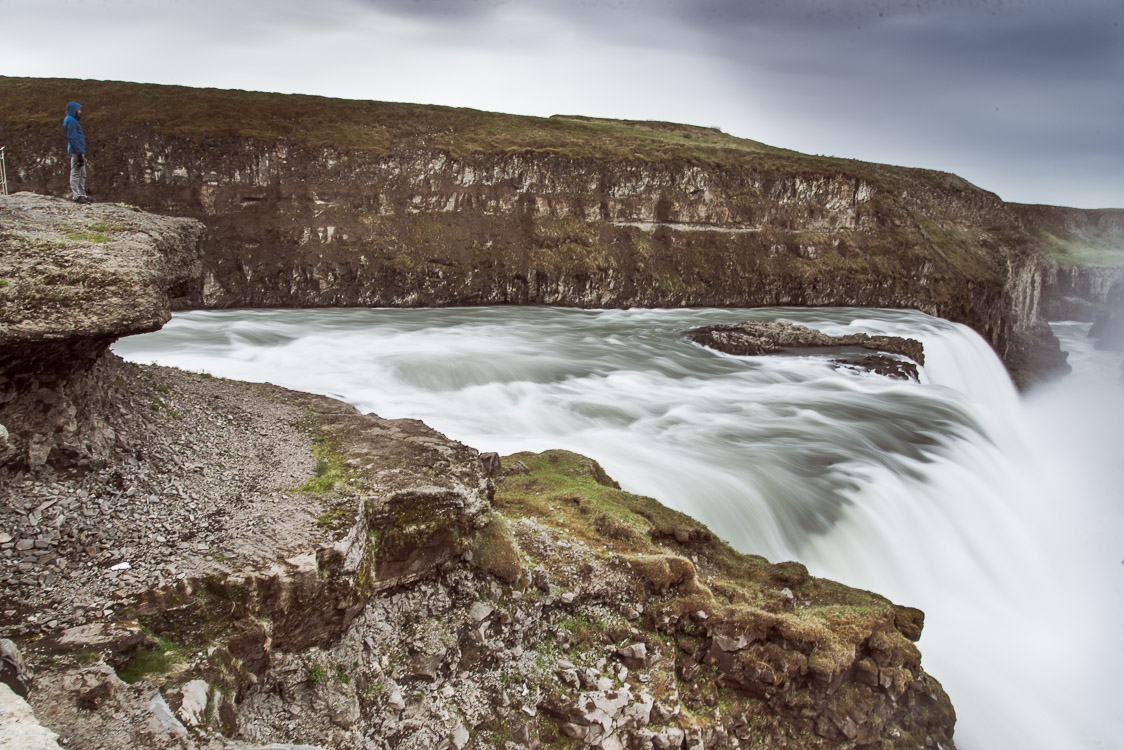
996	516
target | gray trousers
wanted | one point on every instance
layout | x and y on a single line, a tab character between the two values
77	177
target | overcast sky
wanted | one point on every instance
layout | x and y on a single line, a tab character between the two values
1021	97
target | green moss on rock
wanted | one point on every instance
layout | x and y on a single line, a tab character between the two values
496	551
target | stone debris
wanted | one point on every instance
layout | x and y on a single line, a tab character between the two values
460	736
163	714
91	541
354	621
491	462
634	654
193	703
425	666
726	643
448	659
480	611
344	710
541	579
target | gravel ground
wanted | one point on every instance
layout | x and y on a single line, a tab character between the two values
201	481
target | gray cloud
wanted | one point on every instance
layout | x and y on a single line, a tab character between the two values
441	10
1022	97
947	84
957	86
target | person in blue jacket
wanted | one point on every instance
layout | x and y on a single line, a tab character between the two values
76	147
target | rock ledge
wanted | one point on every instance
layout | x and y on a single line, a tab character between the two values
752	339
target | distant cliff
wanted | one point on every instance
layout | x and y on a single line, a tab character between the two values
319	202
1083	267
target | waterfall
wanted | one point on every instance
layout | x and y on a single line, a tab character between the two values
996	515
997	540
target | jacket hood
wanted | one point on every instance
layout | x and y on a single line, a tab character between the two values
72	109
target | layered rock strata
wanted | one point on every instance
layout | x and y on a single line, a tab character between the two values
72	282
319	202
562	612
1083	263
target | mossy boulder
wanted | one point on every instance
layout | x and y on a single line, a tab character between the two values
496	551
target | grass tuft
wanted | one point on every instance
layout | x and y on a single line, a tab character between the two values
154	661
96	238
330	469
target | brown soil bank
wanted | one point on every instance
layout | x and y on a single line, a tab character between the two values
319	202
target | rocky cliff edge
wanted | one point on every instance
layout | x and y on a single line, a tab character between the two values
73	280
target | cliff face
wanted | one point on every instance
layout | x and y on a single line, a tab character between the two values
1079	292
318	202
1081	274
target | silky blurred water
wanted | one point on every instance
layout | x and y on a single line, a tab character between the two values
998	516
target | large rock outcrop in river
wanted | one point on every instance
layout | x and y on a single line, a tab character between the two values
775	337
236	564
321	202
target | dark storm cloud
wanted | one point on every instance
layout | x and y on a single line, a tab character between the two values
1059	40
888	39
957	86
948	84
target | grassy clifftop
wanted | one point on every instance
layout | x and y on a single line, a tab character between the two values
1076	237
345	123
200	114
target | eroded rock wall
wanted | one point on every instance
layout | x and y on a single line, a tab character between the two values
416	220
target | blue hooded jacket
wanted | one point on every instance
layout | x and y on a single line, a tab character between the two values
75	139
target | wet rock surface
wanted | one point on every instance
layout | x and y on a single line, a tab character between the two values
19	729
193	484
617	623
101	271
754	339
624	644
13	672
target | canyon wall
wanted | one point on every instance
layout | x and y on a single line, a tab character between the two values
314	202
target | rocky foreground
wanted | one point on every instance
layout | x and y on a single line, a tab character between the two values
190	562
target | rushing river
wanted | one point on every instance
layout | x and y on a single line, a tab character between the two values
1000	517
